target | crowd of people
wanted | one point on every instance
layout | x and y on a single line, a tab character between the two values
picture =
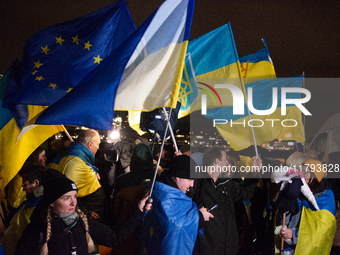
72	198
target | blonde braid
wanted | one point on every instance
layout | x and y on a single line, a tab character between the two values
44	248
89	240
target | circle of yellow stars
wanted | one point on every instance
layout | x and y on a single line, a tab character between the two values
60	40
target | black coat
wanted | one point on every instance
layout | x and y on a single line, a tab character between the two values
60	243
220	233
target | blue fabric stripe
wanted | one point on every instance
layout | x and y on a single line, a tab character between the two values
262	97
325	201
213	50
256	57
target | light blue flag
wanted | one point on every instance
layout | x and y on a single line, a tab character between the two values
212	55
213	50
262	98
171	227
269	125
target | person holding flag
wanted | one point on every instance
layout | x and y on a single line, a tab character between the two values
311	231
172	226
220	234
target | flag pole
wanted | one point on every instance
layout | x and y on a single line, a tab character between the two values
171	131
192	68
304	116
68	135
282	238
160	155
252	131
244	89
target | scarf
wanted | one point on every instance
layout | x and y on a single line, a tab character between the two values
69	219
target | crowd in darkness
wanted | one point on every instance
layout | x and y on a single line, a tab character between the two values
93	197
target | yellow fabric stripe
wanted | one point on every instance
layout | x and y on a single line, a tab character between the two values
178	78
240	137
76	170
262	69
316	232
14	153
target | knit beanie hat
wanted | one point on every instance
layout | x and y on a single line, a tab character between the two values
55	185
317	168
181	166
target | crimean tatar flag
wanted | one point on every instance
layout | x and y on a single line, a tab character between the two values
258	64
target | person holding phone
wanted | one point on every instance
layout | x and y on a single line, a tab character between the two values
220	234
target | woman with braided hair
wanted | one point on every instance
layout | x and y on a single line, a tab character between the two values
58	226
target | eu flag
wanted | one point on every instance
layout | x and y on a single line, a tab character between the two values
58	57
143	73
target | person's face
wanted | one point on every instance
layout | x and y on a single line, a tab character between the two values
66	203
307	174
94	145
223	161
184	184
219	163
42	158
29	187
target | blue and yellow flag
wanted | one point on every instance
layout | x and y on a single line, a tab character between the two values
57	58
210	56
258	64
317	228
15	149
236	129
171	227
143	73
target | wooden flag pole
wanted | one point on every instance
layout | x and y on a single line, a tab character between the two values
244	90
282	238
68	135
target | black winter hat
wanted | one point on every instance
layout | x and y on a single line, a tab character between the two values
55	185
181	166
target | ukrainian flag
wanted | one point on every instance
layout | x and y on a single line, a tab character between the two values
143	73
266	127
15	149
210	56
171	227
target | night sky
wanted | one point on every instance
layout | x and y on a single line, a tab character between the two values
302	36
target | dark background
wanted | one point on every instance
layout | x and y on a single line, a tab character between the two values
302	36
